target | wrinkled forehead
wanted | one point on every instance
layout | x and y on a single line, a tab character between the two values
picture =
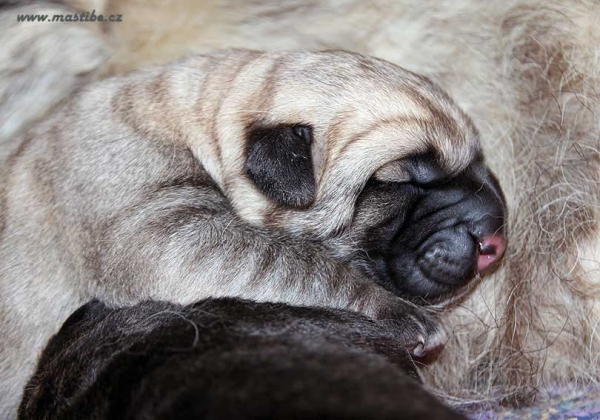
372	113
320	86
380	150
365	115
393	137
365	124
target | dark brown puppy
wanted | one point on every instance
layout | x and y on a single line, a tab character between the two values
225	359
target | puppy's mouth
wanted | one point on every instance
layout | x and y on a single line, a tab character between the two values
442	265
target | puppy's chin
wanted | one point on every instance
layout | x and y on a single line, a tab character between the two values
418	288
415	284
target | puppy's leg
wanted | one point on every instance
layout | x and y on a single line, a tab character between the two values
179	250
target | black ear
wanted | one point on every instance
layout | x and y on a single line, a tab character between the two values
279	162
92	310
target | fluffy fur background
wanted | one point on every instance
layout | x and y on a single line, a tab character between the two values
527	72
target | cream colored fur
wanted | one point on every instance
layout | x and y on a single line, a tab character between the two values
527	72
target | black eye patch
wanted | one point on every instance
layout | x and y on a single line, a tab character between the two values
279	163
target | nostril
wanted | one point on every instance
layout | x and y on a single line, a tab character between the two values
491	250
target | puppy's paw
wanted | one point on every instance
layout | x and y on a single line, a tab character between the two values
418	330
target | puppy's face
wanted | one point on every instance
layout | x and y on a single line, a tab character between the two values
372	160
431	235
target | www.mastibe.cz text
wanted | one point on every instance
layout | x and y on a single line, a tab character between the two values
73	17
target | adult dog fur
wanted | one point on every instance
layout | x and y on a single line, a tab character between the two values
328	179
42	63
527	73
225	359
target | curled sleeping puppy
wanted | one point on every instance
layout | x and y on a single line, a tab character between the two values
225	359
328	179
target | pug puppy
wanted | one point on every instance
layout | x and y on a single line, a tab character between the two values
225	359
326	179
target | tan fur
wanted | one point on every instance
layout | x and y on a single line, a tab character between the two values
528	74
136	189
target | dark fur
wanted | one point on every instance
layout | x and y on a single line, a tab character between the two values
426	250
225	359
279	162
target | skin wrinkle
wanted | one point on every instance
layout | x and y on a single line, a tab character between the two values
201	106
335	130
217	110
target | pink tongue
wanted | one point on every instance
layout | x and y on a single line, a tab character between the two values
490	251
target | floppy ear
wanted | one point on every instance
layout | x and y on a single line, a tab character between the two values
279	162
93	310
